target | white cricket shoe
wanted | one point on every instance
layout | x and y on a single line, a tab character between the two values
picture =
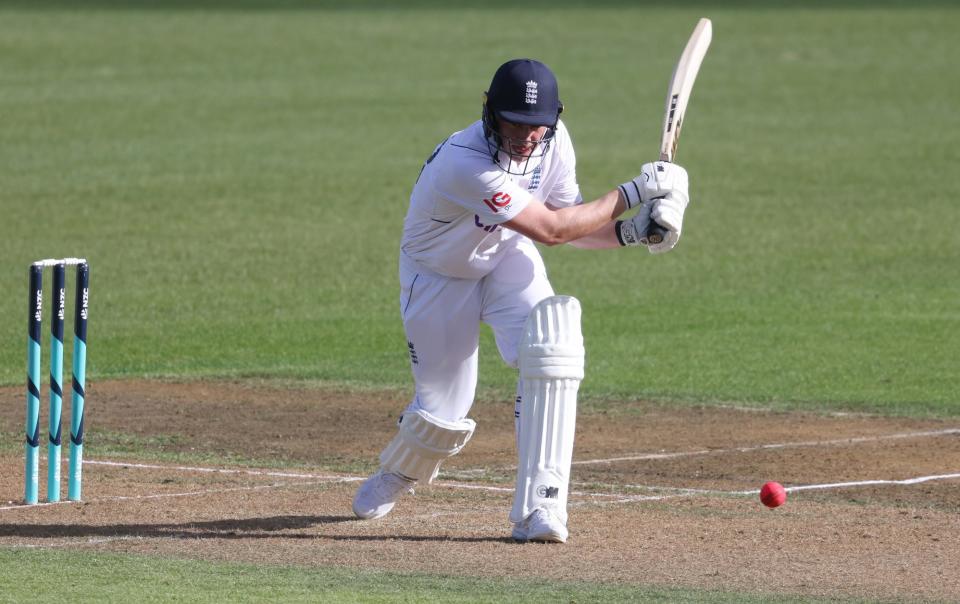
540	525
378	494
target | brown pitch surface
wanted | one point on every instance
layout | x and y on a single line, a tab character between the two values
629	522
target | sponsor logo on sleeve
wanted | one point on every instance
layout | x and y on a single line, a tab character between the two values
499	201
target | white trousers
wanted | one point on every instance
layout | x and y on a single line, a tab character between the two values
442	316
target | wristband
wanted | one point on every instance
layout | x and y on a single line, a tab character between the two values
631	194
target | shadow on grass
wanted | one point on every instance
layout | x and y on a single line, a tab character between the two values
272	527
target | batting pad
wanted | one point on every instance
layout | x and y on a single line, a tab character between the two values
422	443
551	367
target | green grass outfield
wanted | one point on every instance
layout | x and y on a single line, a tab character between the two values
143	579
237	174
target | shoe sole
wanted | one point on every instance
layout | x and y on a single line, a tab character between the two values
551	537
371	515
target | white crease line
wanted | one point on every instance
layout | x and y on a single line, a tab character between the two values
479	487
323	480
639	457
653	487
275	474
682	492
633	499
168	495
821	443
27	506
864	483
277	485
473	487
809	487
618	497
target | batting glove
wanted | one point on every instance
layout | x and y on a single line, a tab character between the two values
656	179
667	212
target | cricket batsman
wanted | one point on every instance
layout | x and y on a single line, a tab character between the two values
484	197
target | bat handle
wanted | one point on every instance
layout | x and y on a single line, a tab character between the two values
655	233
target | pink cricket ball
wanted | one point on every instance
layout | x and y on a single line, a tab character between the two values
772	494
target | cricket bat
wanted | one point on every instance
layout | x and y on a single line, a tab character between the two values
681	85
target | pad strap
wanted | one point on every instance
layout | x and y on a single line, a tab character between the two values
422	442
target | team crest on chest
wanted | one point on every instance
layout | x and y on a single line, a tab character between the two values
535	179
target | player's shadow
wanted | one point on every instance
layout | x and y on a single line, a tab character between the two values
272	527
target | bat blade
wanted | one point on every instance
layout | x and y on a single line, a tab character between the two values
681	85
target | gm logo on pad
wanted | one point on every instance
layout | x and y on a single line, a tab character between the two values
548	492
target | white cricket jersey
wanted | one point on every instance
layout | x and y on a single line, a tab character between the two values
462	197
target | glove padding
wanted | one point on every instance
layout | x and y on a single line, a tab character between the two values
667	212
657	179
